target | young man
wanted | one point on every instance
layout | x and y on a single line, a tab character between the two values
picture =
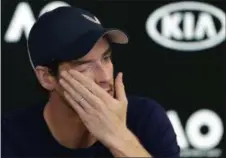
88	113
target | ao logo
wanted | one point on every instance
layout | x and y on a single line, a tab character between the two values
23	19
193	134
180	30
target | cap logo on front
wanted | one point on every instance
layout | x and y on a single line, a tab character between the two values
95	20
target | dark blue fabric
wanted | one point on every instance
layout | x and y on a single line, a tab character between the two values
26	133
57	30
64	34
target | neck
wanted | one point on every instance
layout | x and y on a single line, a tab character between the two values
65	124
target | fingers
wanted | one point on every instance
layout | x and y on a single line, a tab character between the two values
119	88
91	85
74	86
74	94
76	107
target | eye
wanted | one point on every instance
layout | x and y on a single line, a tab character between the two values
83	68
107	58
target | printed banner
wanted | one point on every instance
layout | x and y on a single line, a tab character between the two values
175	56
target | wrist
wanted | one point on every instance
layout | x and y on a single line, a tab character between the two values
120	142
126	144
114	139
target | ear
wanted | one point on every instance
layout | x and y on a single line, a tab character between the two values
46	80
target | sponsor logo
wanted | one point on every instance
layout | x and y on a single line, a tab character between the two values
187	26
95	20
203	132
23	19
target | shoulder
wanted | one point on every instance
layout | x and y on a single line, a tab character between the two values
144	110
17	128
140	107
20	121
150	123
21	115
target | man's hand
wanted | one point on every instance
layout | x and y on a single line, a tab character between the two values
103	115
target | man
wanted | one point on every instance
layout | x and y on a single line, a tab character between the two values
88	113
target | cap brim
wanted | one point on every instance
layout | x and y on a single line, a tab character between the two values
116	36
85	43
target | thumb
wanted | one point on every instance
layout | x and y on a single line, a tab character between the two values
119	88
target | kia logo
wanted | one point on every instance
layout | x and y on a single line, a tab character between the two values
187	26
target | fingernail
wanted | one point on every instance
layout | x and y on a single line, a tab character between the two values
63	73
60	80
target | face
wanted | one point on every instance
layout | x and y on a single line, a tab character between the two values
96	65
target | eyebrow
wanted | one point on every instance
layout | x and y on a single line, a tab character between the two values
80	62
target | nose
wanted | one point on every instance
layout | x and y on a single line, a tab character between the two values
103	75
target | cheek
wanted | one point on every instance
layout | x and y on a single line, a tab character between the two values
92	74
59	89
89	73
109	65
109	69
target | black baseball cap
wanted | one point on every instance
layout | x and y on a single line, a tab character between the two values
67	33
